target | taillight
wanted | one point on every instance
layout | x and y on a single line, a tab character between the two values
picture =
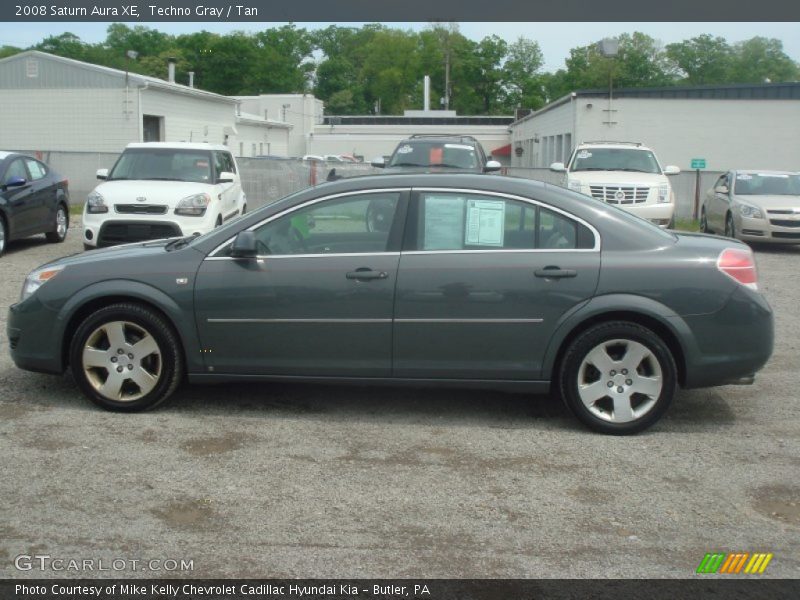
738	264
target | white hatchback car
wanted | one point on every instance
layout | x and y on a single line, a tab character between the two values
160	190
626	174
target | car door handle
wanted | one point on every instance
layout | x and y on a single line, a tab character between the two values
364	274
555	273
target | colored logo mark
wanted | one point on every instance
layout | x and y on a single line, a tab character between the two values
735	563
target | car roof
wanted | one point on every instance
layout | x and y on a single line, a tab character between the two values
764	172
445	137
602	144
4	155
179	145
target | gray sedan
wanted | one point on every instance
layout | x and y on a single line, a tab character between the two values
426	280
754	206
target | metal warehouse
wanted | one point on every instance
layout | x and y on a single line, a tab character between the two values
730	126
53	103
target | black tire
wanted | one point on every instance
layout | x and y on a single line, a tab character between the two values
218	222
730	228
671	224
55	236
704	221
137	318
3	235
244	208
578	351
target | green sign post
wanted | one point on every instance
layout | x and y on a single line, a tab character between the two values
698	163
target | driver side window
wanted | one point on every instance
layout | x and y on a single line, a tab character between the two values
356	224
15	169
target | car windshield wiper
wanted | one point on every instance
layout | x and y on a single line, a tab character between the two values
179	242
161	179
634	170
405	164
448	166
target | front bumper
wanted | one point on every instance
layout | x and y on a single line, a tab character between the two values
101	230
660	214
34	335
776	229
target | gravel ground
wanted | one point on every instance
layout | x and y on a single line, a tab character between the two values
317	481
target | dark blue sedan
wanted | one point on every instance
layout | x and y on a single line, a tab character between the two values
33	199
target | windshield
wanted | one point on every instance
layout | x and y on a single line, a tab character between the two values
767	184
435	154
615	159
163	164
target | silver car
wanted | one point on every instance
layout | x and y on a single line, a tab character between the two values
754	206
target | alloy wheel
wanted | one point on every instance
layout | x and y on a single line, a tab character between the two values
61	222
620	380
122	361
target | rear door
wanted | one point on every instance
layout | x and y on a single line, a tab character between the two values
43	195
317	301
483	281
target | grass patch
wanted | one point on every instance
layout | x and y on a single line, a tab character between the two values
687	225
76	209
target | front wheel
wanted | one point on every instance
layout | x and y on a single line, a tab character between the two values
60	226
618	377
704	221
730	228
126	357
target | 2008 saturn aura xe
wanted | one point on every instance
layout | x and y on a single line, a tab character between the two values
432	279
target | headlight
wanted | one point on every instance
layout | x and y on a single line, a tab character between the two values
193	206
575	186
663	193
748	210
95	203
37	279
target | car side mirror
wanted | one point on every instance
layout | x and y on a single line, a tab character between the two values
226	177
721	189
378	162
102	173
558	167
15	182
491	166
671	170
244	245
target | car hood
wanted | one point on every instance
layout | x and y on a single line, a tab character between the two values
150	248
629	177
399	170
772	201
167	193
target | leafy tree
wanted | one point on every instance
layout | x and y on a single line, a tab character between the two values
703	59
760	59
6	51
523	81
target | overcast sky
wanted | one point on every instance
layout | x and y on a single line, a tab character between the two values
555	39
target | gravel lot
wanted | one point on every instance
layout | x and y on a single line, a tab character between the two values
317	481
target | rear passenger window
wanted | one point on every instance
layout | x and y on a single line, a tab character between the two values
36	169
450	221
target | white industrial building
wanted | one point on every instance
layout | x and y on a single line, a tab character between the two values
300	111
51	103
730	126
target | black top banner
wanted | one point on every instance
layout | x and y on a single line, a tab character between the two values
399	10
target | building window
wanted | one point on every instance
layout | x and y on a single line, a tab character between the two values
152	128
559	148
567	147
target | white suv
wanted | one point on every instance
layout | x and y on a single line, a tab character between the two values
625	174
160	190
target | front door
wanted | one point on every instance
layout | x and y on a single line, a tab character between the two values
317	301
483	284
20	200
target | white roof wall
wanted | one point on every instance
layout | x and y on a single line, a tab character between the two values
303	112
255	139
728	133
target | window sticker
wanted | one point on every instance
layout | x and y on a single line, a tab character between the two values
485	222
459	146
444	222
778	175
583	154
405	149
744	176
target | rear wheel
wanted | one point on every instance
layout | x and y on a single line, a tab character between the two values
59	232
126	357
730	228
618	377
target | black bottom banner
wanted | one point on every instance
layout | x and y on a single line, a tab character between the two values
399	589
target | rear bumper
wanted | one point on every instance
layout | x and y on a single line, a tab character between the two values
732	344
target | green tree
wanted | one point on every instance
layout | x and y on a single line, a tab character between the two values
521	73
760	59
703	59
